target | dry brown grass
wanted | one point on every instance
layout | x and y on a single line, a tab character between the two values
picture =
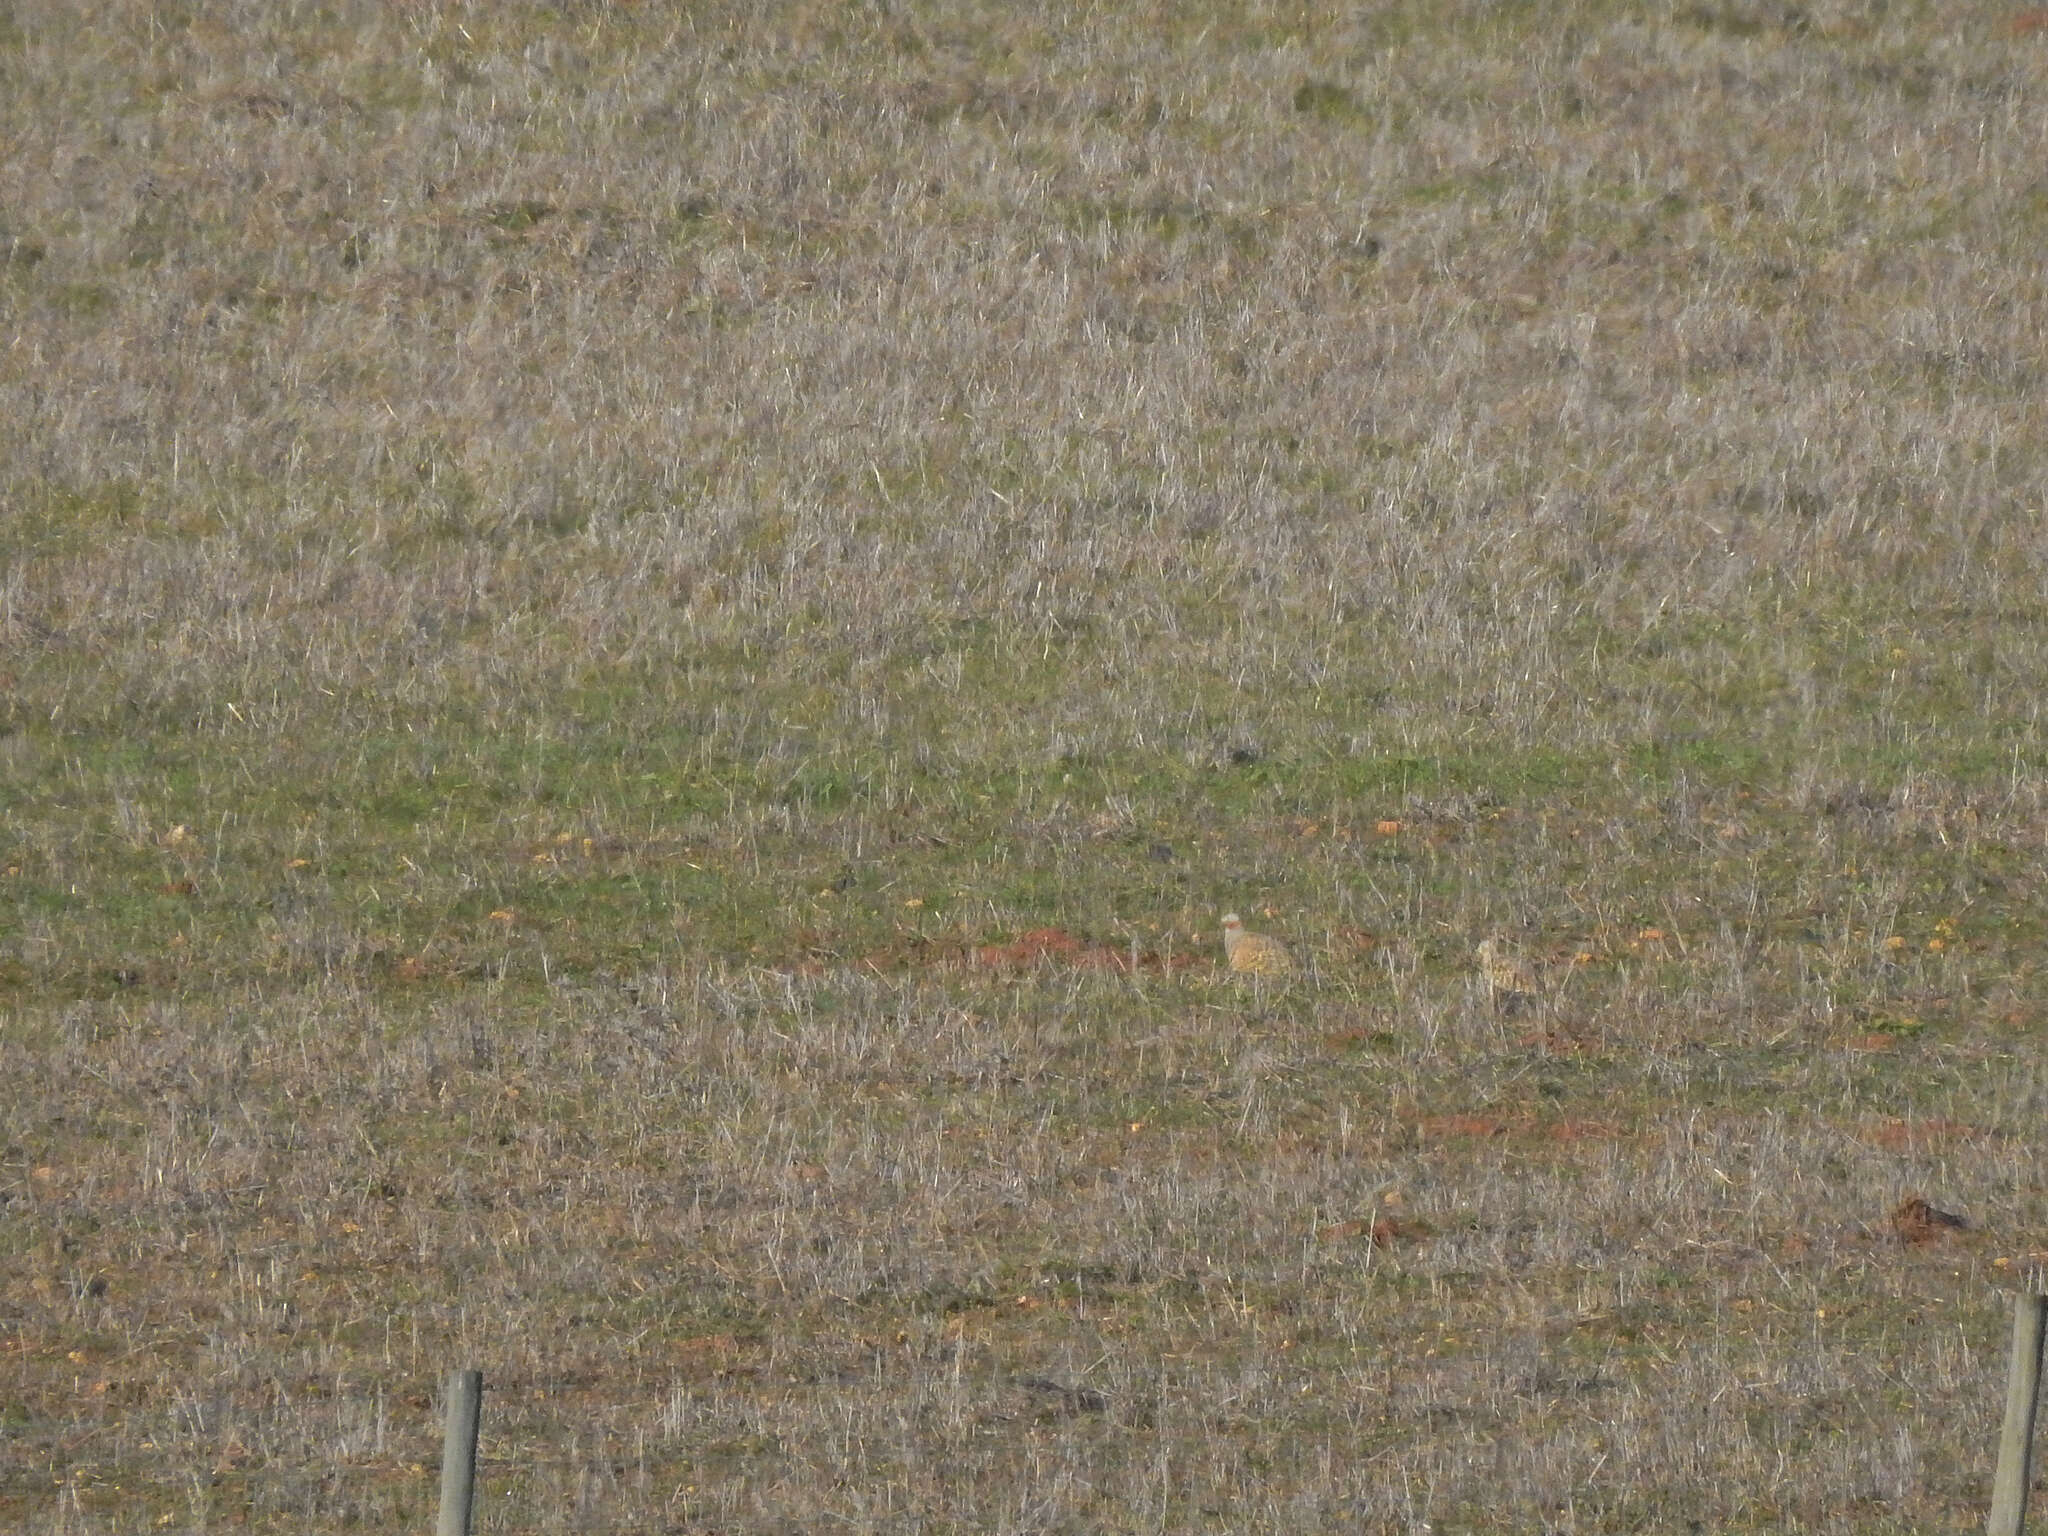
634	648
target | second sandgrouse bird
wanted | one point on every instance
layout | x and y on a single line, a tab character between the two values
1256	954
1510	982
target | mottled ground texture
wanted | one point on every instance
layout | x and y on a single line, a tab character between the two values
640	647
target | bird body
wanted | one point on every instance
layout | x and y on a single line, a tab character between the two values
1256	954
1508	977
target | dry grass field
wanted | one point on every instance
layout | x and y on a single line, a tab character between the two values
640	646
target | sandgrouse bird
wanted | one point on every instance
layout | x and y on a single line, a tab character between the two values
1510	982
1257	954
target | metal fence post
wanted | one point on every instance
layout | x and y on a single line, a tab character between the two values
2022	1397
458	1452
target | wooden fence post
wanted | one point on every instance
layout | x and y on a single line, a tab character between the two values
458	1452
2022	1397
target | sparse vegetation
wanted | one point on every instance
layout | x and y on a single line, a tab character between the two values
638	651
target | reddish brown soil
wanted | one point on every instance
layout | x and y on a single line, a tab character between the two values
1059	948
1917	1223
